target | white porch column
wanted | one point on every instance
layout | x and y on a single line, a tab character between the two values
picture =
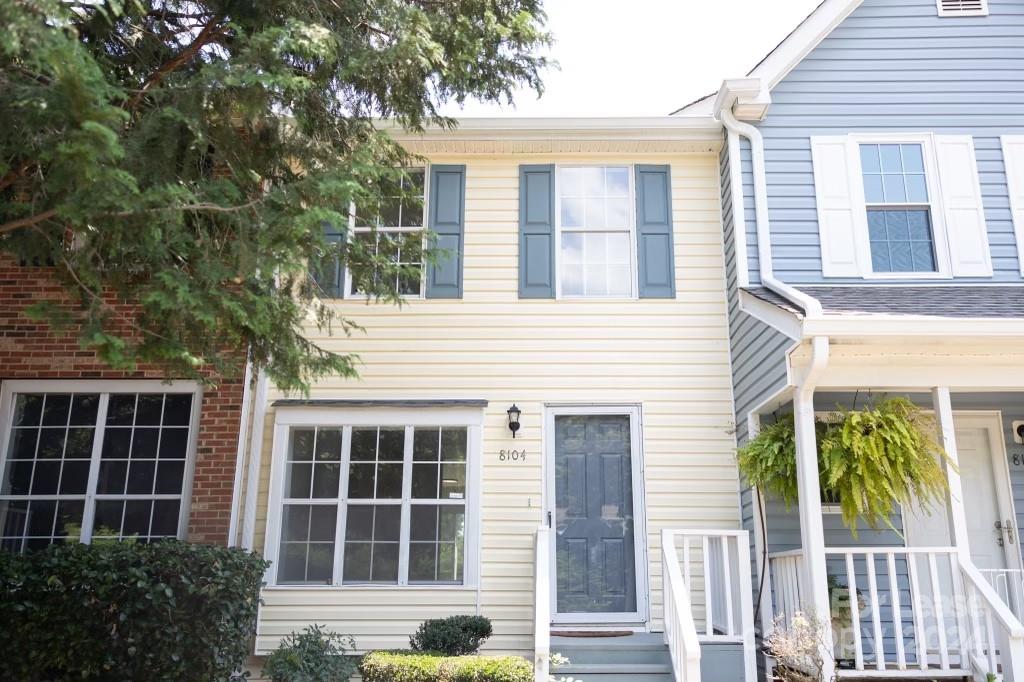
812	531
947	439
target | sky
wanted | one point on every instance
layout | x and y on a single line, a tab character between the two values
647	57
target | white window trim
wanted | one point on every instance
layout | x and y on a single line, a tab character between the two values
423	228
288	417
631	213
982	12
12	387
940	237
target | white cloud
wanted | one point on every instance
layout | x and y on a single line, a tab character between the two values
648	57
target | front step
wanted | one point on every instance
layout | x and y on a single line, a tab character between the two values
638	657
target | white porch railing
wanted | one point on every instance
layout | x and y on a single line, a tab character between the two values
706	589
542	604
908	612
1009	585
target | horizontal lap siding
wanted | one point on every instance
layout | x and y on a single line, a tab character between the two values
671	356
894	65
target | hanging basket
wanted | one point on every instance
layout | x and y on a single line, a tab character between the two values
869	460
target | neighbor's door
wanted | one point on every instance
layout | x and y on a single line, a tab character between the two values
595	519
986	494
987	499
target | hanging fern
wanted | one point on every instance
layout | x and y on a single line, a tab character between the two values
870	460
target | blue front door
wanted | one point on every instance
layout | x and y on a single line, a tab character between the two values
595	556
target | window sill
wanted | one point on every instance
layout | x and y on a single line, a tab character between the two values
912	276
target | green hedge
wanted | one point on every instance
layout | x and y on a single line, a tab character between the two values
393	666
127	611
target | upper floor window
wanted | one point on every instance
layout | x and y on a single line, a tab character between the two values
376	504
93	464
595	224
390	240
898	208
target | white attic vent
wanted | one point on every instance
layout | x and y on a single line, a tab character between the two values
962	8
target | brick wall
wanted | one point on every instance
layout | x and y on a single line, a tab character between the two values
30	350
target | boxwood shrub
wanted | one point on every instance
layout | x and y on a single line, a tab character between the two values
127	611
399	666
453	636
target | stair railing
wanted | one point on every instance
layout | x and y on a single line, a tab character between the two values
542	605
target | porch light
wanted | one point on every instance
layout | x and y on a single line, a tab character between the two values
513	419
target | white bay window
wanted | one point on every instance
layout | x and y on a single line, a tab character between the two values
374	498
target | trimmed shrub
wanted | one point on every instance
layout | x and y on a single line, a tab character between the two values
128	611
313	655
452	636
398	666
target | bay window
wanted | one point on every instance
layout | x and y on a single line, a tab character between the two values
367	503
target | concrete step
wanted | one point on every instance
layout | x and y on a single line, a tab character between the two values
640	657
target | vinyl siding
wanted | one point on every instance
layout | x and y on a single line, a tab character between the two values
670	356
894	65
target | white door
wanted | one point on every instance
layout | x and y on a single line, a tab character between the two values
987	499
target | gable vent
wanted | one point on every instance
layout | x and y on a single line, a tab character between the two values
963	8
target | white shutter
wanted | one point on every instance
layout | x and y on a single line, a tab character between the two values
1013	157
842	218
962	206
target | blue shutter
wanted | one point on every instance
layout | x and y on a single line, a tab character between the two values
654	232
537	231
446	218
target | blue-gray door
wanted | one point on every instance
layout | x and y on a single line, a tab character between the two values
595	557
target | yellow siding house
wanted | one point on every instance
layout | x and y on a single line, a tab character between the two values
583	287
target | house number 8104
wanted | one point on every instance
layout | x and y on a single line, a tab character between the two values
511	455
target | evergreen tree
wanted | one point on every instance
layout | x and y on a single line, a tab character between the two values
185	156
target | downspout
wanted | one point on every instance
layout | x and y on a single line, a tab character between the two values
255	462
243	433
737	128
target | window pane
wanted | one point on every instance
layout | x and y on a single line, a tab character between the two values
617	182
177	409
302	445
83	409
869	162
425	444
359	523
917	189
913	160
570	182
895	190
593	181
425	480
360	480
28	409
572	212
149	409
56	409
594	217
572	247
364	445
873	192
453	444
436	552
890	156
298	481
572	280
896	226
453	481
121	409
389	481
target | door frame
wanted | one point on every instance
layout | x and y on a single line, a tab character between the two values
992	421
640	618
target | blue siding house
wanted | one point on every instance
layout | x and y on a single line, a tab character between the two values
873	214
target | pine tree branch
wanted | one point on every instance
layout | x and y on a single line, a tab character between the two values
27	221
209	32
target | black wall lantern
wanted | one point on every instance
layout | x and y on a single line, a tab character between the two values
513	419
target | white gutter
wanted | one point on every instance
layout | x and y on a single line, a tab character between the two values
243	431
810	305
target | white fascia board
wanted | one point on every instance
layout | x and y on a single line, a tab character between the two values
511	128
912	326
804	38
747	98
786	322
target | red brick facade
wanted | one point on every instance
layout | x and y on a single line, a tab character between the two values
30	350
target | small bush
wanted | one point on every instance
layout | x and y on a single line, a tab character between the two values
390	666
313	655
127	611
452	636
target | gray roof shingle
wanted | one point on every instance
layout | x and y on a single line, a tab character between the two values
937	301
